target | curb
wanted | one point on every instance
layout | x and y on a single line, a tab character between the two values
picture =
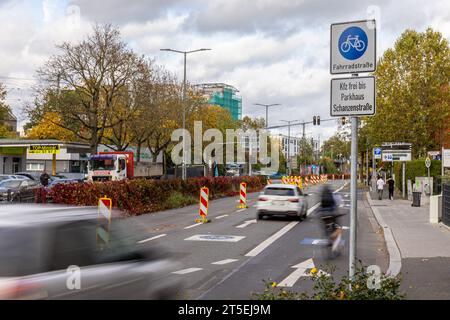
395	258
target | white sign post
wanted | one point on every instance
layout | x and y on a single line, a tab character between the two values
353	96
352	51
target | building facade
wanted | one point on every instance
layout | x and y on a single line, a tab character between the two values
223	95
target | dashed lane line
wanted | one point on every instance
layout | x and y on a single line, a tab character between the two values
188	270
226	261
192	226
153	238
222	216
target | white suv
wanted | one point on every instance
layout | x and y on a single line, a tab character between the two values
282	199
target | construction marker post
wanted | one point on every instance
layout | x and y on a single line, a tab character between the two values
103	221
243	196
204	203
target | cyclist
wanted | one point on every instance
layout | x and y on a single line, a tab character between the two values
329	215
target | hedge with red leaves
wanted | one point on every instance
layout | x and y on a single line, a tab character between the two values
143	196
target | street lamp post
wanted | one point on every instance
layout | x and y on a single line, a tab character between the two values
289	144
185	53
267	110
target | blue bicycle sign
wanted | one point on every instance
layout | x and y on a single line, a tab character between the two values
352	43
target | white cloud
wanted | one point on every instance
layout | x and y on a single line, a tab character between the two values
272	51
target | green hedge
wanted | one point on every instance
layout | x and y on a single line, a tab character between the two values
143	196
415	168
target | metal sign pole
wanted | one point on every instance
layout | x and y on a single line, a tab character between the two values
403	179
353	205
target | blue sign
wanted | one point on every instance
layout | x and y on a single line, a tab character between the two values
353	43
377	151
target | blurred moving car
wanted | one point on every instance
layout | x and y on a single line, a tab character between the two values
18	190
282	199
45	251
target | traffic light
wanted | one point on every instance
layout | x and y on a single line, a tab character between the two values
314	120
318	120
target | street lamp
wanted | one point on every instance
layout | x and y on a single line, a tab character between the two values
185	53
267	109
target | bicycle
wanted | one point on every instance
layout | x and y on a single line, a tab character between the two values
353	42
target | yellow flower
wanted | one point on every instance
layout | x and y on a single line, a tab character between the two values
313	271
274	284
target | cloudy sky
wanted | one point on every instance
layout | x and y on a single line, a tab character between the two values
272	51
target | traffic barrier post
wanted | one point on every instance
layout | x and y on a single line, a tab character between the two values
103	221
203	206
243	196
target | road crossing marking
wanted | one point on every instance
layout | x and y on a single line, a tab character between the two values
246	223
188	270
194	225
152	238
226	261
222	216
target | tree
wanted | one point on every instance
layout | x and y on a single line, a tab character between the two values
48	129
5	111
85	84
413	94
338	144
306	155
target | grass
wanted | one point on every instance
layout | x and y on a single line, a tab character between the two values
178	200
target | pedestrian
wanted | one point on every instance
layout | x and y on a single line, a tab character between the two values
391	184
380	187
44	178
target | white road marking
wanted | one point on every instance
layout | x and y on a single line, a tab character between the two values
189	270
240	210
223	216
225	261
194	225
152	238
219	238
263	245
246	223
300	271
311	210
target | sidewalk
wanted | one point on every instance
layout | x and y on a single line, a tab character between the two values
424	248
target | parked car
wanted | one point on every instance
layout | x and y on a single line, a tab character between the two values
51	252
276	176
53	183
33	175
18	190
282	199
12	176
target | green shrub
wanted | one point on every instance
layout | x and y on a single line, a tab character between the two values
415	168
140	196
325	287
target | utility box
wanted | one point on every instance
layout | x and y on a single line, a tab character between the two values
435	208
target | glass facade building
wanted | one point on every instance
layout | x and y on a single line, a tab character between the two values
224	96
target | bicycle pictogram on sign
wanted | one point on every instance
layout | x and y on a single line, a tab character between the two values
352	43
